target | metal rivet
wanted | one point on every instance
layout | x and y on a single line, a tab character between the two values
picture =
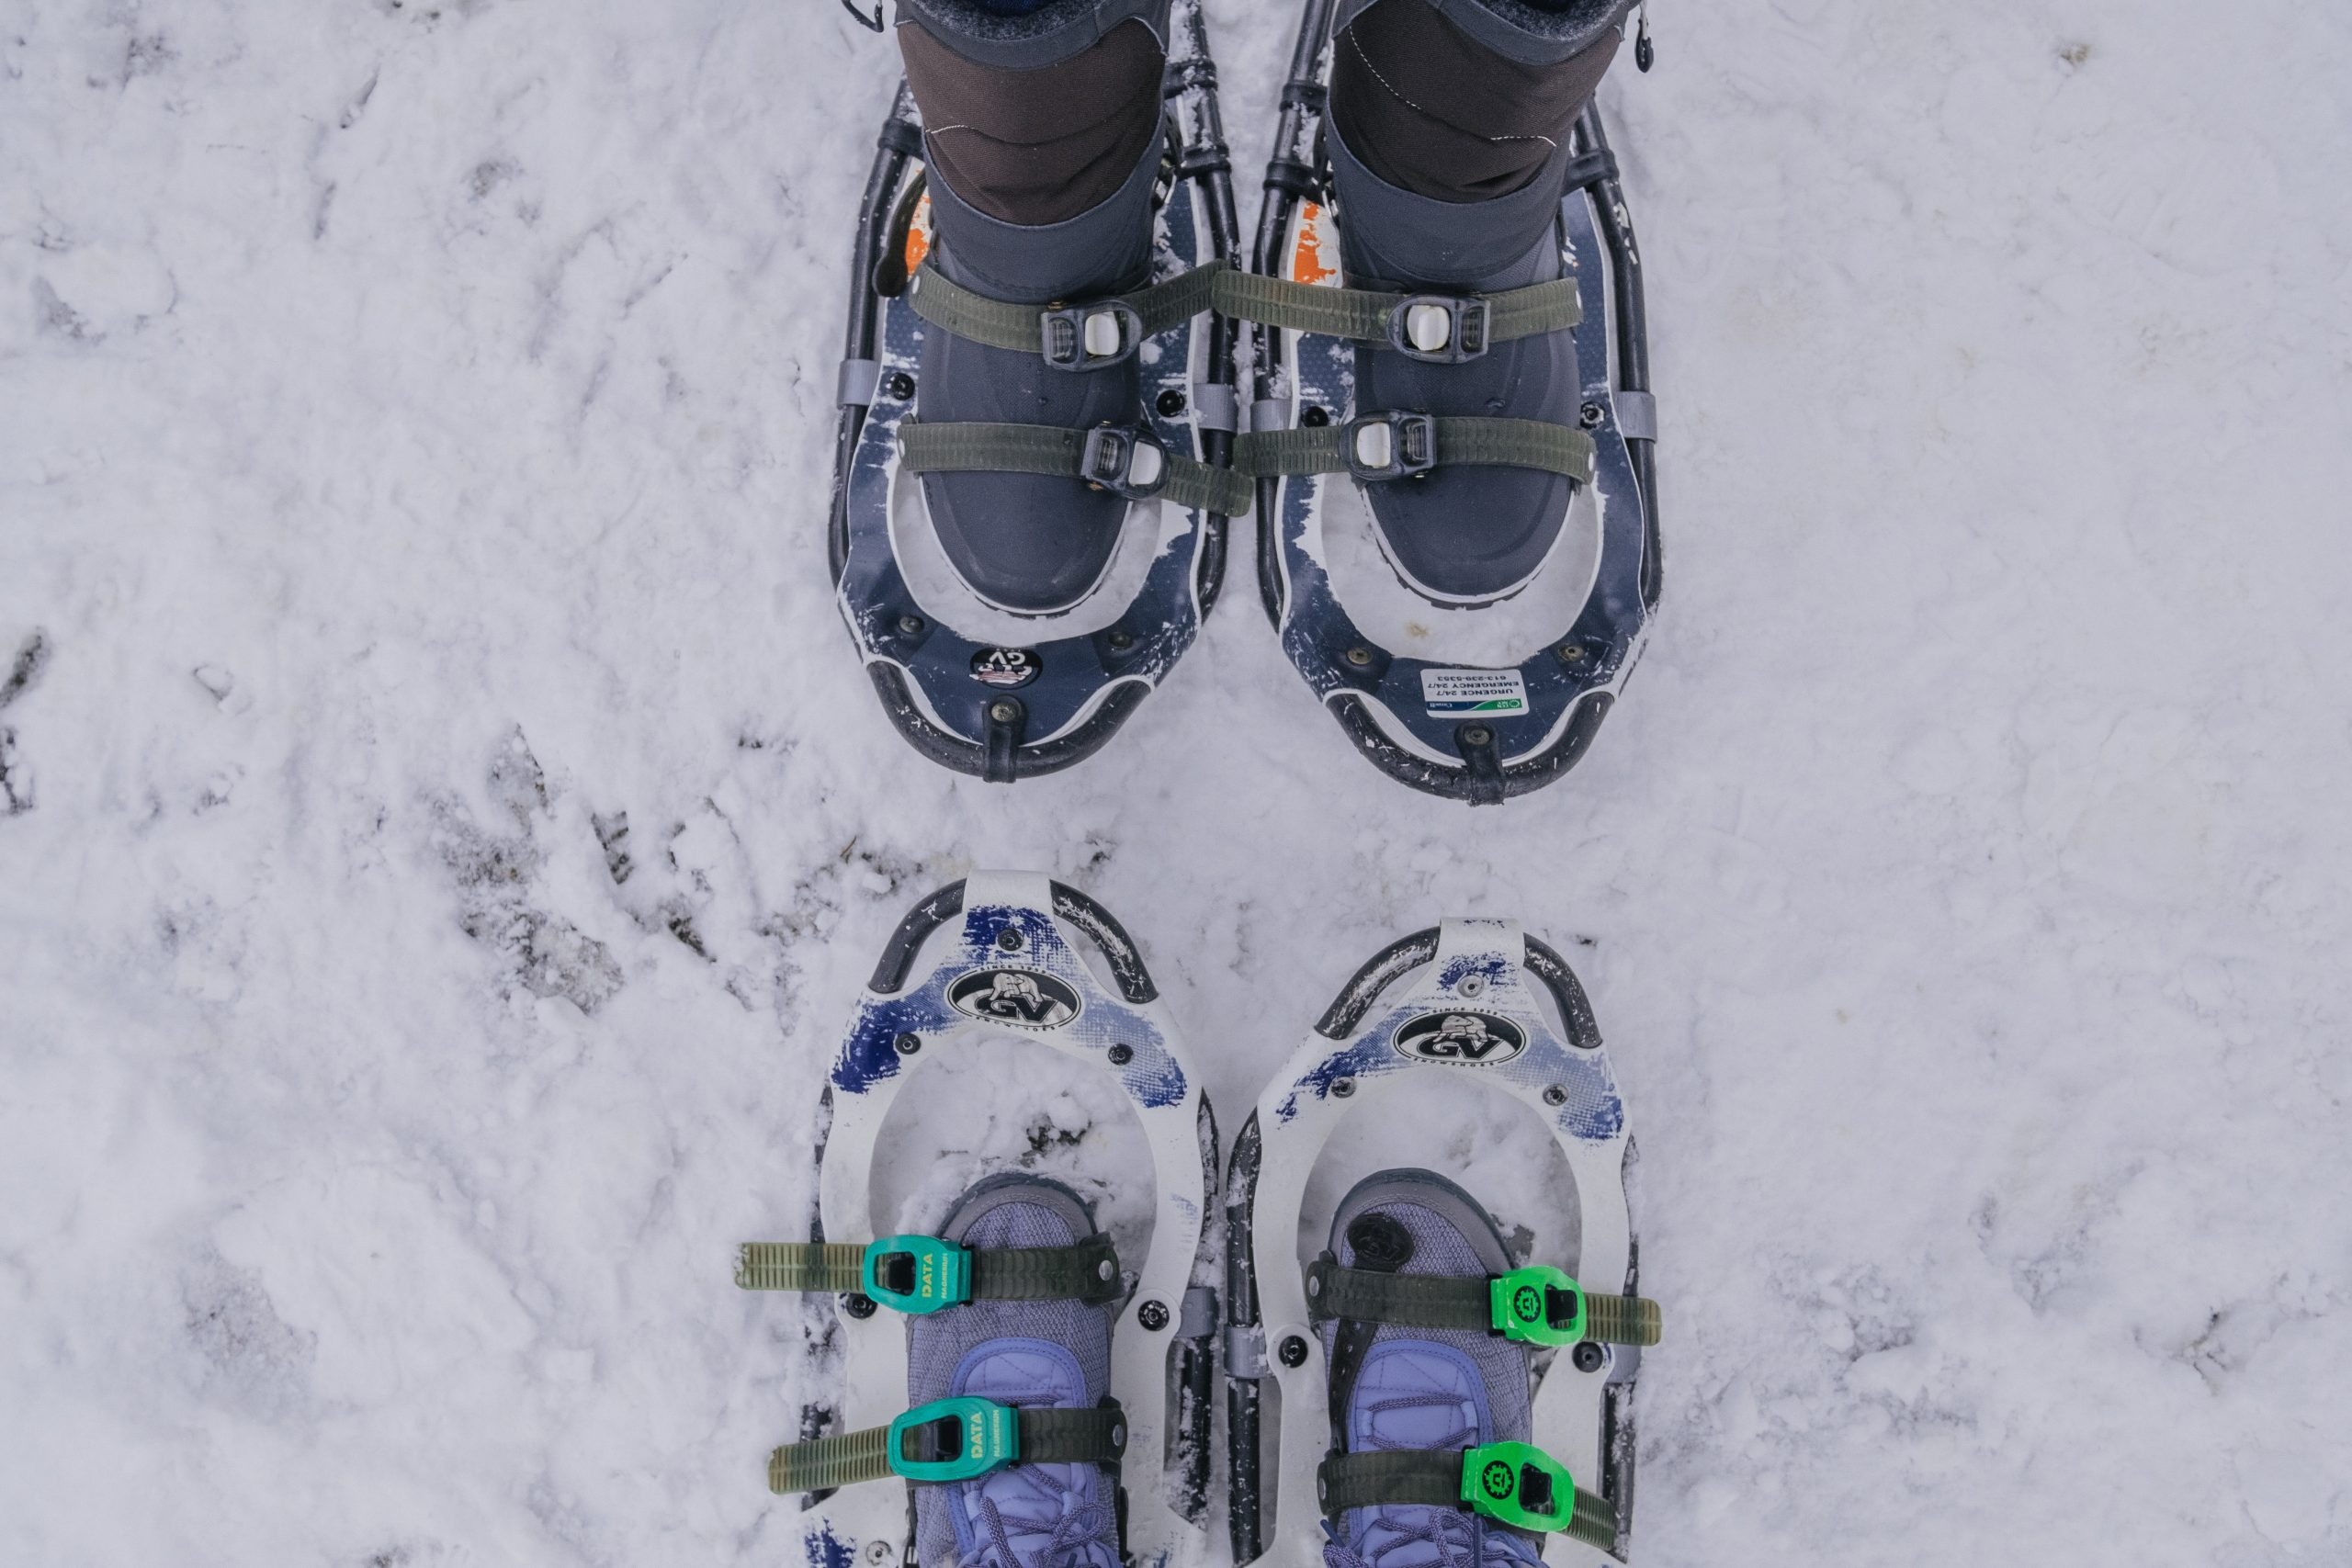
1590	416
1315	418
1170	403
1477	735
1102	1270
1153	1315
1005	713
902	385
1359	657
910	626
1590	1357
1293	1351
1008	938
1342	1087
879	1552
1121	1054
1571	652
1557	1095
1121	641
1314	1286
1472	985
907	1045
858	1305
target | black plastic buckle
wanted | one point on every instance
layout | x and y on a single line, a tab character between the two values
1124	459
1391	446
1464	322
1063	335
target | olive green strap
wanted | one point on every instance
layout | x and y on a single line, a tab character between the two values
1370	314
1465	325
1098	1436
925	448
1087	1271
1459	443
831	1461
789	1265
1059	332
1453	1301
1433	1477
1623	1320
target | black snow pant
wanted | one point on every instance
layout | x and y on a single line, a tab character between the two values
1037	111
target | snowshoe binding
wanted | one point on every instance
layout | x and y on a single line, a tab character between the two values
1474	375
1421	1391
1031	485
1035	1363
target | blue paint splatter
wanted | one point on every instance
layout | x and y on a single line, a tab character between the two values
1491	964
826	1550
1368	1056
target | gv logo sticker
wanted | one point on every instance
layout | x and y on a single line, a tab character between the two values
1022	997
1004	668
1460	1039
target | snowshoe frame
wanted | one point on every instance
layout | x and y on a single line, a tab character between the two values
1162	1352
1357	1053
1377	694
1076	689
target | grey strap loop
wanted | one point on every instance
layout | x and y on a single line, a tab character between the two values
1084	336
1438	328
1397	445
1111	458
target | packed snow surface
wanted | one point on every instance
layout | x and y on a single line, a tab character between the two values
442	825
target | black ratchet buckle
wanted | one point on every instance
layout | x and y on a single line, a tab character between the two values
1391	446
1439	328
1124	459
1090	336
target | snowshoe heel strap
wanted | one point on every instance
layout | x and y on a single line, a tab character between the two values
1513	1483
949	1440
1537	1305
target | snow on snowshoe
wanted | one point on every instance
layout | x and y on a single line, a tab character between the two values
1002	666
1024	1323
1386	1331
1352	417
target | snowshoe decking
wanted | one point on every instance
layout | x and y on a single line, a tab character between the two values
977	704
1458	1001
1477	734
1005	961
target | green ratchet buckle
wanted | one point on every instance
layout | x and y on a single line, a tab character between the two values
1538	1304
917	1274
978	1437
1519	1485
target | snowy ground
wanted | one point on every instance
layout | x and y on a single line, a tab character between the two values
413	432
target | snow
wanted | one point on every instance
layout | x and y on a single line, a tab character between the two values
415	426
